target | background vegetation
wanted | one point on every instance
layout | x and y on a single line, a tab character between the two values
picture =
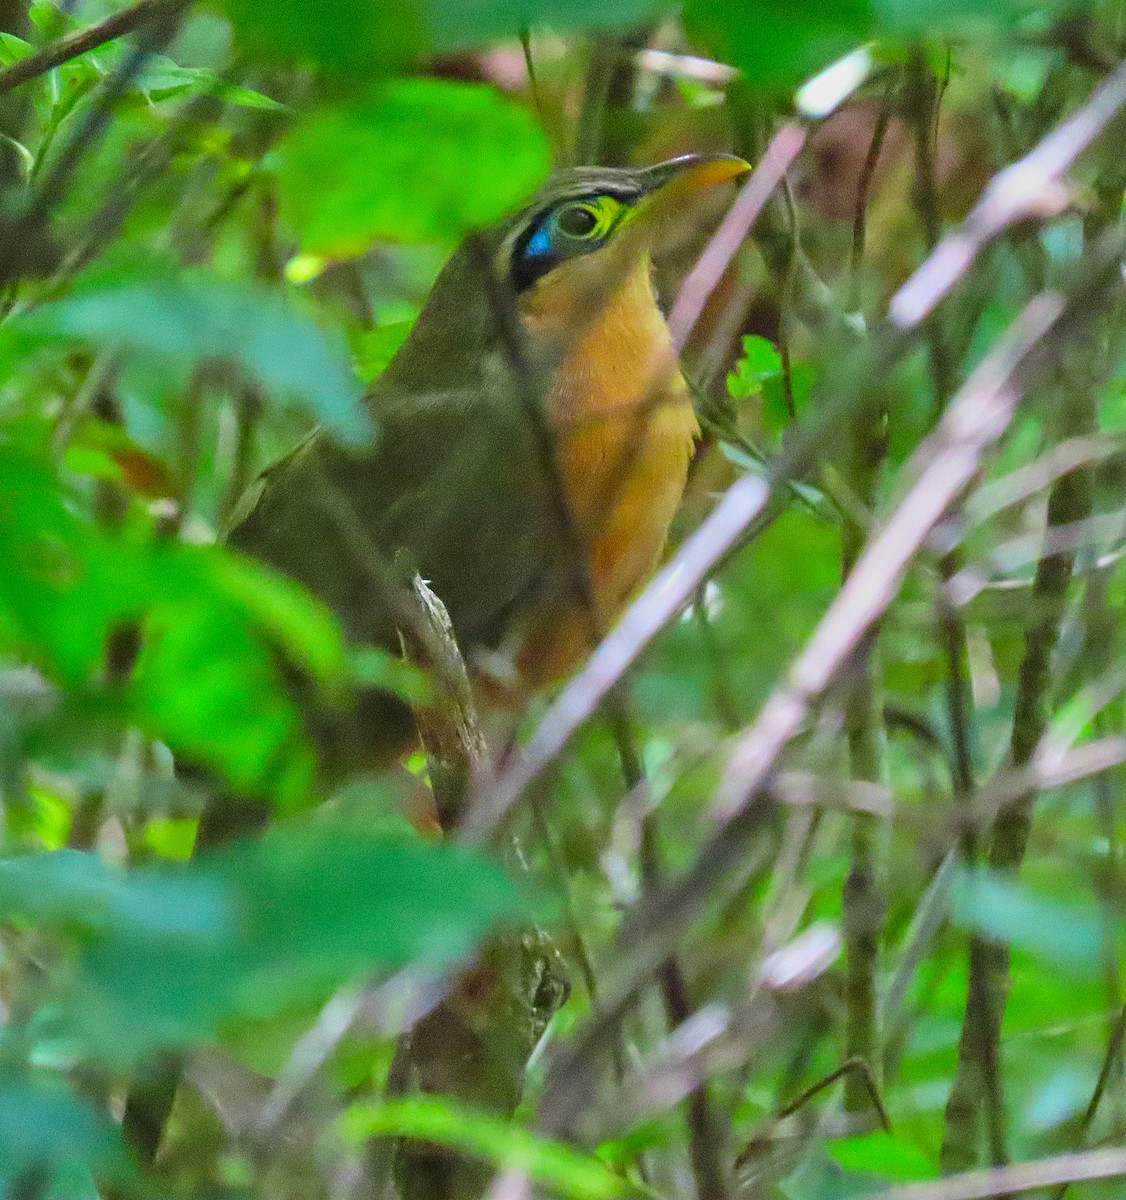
852	916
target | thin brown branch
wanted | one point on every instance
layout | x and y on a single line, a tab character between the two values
82	42
1106	1073
704	277
1019	1177
1033	187
942	468
863	194
705	1139
853	1067
977	1077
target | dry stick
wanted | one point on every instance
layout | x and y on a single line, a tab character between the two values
979	1044
943	467
1033	186
704	277
76	44
475	1044
747	500
1020	1177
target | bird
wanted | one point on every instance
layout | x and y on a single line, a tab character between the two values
532	441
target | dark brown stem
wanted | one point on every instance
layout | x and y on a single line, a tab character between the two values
1111	1060
852	1067
863	191
979	1046
705	1139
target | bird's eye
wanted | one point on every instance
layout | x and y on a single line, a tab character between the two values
577	221
564	231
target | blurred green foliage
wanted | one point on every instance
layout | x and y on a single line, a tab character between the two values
231	236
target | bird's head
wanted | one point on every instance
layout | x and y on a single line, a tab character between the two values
588	228
562	258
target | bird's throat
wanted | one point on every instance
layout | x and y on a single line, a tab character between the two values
624	430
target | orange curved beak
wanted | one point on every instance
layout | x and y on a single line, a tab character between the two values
679	178
672	191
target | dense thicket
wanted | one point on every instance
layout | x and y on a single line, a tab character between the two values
829	876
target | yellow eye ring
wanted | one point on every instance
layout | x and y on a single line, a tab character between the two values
578	221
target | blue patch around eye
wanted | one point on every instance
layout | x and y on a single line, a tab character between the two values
540	241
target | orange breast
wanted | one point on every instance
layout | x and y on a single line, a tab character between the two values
624	428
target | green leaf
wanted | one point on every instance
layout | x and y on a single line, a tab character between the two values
163	78
12	49
300	624
236	716
209	617
1070	937
776	413
906	18
375	348
64	587
427	160
553	1165
194	317
375	667
366	37
472	22
759	362
778	45
352	37
883	1155
819	1177
45	1126
174	953
226	624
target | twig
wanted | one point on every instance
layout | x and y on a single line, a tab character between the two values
1032	187
646	617
853	1067
1106	1071
862	913
455	747
979	1045
942	467
1020	1177
24	246
705	1140
82	42
863	190
704	277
